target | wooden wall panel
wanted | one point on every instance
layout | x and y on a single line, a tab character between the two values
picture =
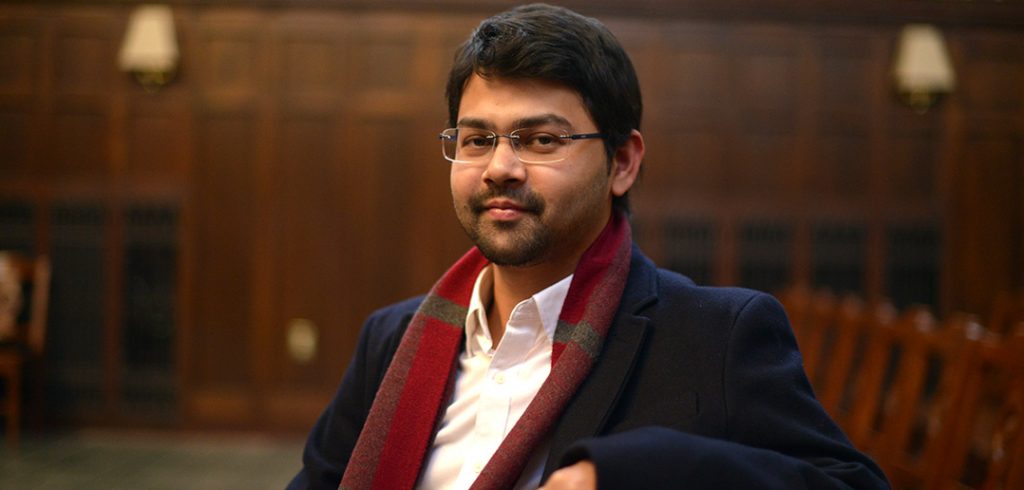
316	255
157	137
994	72
15	119
840	164
21	40
759	162
19	46
987	181
847	67
989	231
689	72
315	64
228	77
386	222
312	63
86	50
81	138
767	77
222	292
298	143
913	164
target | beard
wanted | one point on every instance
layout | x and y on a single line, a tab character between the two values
517	243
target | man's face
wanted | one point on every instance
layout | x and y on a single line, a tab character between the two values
524	214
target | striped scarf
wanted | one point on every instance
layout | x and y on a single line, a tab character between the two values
410	401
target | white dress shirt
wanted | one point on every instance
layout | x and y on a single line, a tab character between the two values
494	386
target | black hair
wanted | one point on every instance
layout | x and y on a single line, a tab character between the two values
550	43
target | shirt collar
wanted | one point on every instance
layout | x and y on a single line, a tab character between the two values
548	301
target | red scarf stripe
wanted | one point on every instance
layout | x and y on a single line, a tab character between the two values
407	441
593	274
456	285
556	351
366	454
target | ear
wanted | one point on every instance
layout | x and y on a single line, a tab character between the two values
626	163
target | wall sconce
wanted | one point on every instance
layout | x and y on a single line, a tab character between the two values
922	70
150	49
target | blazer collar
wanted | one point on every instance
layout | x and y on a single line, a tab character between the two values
641	286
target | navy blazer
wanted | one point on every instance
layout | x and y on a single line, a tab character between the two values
696	387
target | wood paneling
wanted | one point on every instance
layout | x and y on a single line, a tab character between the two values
19	46
157	139
86	50
316	255
291	172
986	184
222	289
81	141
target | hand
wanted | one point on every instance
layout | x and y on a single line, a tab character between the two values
580	476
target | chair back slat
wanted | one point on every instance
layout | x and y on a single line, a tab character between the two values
870	386
933	378
986	445
849	341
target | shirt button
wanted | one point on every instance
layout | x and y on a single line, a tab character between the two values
478	467
499	378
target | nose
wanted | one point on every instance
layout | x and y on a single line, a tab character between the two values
504	168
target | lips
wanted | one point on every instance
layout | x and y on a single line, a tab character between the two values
504	209
505	206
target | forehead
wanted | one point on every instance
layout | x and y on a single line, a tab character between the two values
500	102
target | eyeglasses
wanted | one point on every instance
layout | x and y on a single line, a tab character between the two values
531	145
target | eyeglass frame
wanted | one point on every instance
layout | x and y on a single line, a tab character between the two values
513	138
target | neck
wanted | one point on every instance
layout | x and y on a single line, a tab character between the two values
512	285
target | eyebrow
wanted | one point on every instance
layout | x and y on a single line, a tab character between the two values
524	122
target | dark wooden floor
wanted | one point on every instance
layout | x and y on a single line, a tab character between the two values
127	460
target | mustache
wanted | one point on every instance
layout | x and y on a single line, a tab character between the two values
527	200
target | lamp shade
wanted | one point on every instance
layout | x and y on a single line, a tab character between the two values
150	45
922	62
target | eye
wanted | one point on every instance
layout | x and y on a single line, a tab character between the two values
476	141
540	141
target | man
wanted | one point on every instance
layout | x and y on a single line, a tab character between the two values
554	352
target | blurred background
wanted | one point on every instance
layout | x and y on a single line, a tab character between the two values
222	214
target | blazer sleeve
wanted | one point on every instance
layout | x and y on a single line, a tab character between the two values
778	436
334	435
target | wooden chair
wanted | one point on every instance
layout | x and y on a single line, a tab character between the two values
837	372
816	334
1007	315
922	408
796	300
868	392
24	294
987	447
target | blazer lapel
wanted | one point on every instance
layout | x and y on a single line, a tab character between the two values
589	410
